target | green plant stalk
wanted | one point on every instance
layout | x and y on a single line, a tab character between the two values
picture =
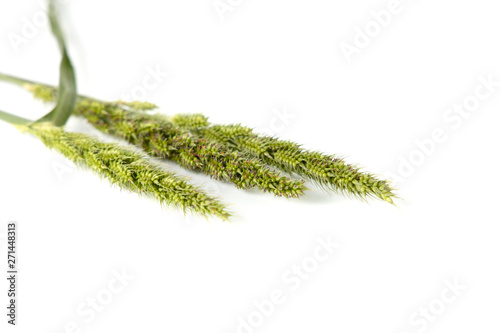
128	170
158	137
329	172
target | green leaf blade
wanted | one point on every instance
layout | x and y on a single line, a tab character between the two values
67	78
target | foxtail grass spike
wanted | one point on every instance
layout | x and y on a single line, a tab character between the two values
128	170
327	171
160	138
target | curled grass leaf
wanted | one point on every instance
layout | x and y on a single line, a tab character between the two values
67	82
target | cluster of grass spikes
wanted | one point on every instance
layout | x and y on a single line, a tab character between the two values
232	153
179	137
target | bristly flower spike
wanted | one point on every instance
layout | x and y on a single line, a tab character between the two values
327	171
128	170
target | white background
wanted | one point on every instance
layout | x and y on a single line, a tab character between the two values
194	276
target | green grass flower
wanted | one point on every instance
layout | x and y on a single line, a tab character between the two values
327	171
128	170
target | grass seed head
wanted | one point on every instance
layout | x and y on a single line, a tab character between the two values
328	172
129	170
